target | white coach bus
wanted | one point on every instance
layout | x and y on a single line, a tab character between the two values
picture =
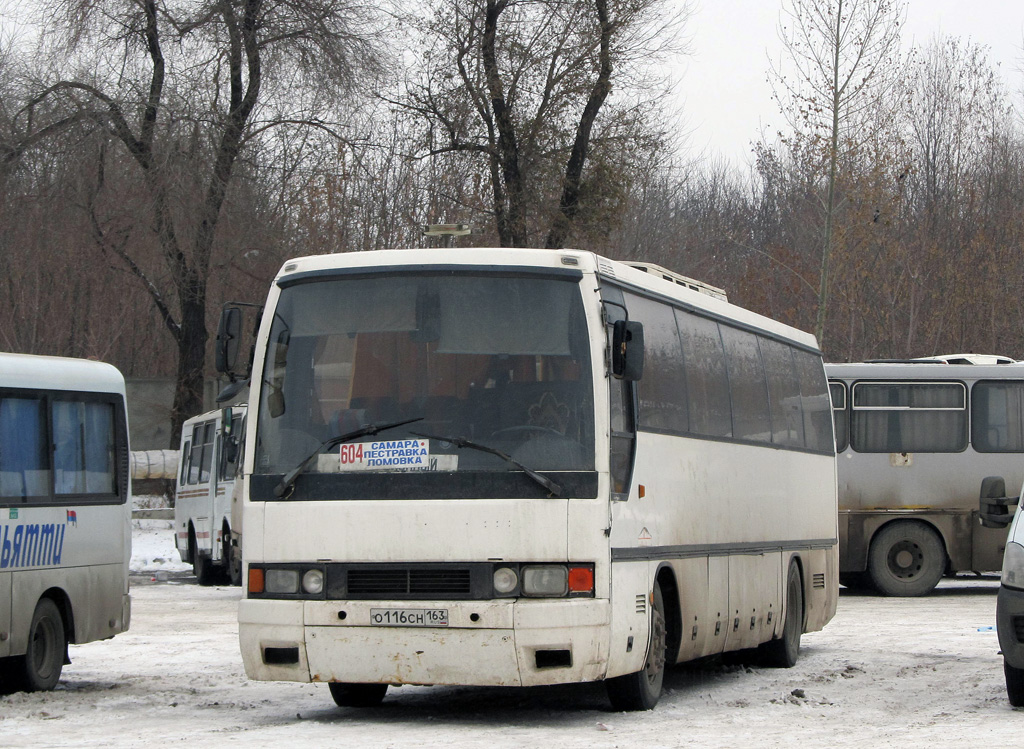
204	495
65	518
921	445
524	467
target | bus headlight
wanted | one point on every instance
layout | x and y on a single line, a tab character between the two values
545	580
288	581
1013	566
313	582
281	581
505	580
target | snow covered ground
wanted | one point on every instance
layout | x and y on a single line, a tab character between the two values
885	672
153	548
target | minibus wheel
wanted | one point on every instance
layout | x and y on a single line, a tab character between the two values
202	565
357	695
907	558
1014	684
641	691
44	659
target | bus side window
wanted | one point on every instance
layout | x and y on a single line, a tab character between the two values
83	456
840	416
186	454
905	417
662	390
747	384
623	437
707	383
997	416
201	453
787	410
24	455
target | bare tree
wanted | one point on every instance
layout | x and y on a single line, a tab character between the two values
844	55
525	88
181	86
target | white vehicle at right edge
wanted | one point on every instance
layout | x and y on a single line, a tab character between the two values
1010	612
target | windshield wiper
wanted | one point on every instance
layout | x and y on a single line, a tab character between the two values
544	481
288	481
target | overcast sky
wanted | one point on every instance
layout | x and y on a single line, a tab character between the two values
724	98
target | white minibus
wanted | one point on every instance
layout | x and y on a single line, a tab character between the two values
523	467
204	495
65	514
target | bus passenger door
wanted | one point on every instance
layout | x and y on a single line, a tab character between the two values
5	614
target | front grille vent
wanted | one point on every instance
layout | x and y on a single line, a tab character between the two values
641	604
419	582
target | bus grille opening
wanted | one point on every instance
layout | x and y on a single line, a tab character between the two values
420	582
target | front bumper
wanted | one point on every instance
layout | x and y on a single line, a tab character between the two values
1010	625
487	643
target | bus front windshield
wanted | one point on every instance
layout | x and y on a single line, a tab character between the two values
493	370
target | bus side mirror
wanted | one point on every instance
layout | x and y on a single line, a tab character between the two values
994	506
627	350
229	334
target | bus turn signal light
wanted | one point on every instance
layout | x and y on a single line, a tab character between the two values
255	580
581	580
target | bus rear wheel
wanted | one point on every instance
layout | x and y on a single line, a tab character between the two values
641	691
784	651
202	565
43	661
906	558
357	695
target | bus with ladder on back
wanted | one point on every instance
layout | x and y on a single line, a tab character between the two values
927	450
65	513
206	532
524	467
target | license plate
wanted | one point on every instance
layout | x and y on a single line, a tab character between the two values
409	617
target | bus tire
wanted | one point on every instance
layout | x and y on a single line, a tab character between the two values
43	661
641	690
784	651
357	695
1014	684
206	573
231	558
906	558
202	566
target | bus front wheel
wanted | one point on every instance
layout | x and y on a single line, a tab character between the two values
907	558
44	660
357	695
641	691
231	557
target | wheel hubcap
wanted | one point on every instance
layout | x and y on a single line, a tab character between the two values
905	560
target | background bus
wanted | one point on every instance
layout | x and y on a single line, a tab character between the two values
467	472
65	518
204	531
915	441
